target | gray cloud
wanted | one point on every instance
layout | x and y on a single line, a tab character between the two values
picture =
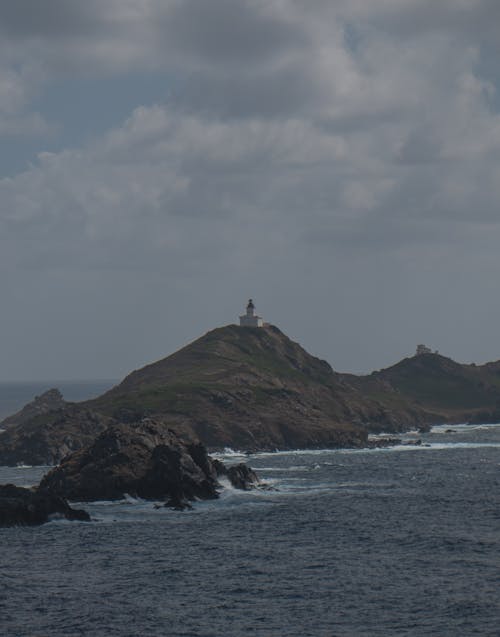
51	18
228	34
338	161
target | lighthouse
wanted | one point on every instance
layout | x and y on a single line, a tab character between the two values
250	319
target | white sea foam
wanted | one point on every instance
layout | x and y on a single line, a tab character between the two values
225	483
295	452
429	446
463	445
228	453
462	428
56	516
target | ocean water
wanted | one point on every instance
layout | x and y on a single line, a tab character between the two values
13	396
391	542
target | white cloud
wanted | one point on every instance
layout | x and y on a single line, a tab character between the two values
348	144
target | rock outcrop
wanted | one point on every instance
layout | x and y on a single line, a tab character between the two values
241	476
49	401
145	460
48	438
27	507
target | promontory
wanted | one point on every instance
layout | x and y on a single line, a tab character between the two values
252	388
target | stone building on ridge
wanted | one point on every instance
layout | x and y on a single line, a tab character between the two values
423	349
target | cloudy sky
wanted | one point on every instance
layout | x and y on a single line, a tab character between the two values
164	160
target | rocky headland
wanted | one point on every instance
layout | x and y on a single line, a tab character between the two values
254	389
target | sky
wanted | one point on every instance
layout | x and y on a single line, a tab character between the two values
162	161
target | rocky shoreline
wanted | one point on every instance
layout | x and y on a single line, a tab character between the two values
142	460
256	390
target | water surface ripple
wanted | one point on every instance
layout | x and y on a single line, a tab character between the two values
399	542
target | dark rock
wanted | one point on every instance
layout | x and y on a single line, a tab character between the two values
424	428
145	460
241	476
47	402
27	507
48	438
382	443
178	504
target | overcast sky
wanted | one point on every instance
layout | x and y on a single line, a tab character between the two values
164	160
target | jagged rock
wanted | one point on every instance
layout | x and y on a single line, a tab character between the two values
23	507
48	438
241	476
145	460
43	404
178	504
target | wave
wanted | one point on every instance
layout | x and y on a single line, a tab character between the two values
463	427
228	453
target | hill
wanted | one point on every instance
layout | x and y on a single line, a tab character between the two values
245	388
452	391
255	389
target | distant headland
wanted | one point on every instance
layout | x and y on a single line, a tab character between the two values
250	387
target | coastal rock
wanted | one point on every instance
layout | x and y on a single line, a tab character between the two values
241	476
145	459
48	438
43	404
383	442
27	507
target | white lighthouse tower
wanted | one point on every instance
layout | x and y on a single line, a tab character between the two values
250	319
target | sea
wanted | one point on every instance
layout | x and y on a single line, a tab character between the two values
401	541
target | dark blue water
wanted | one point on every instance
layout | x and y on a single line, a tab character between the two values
403	541
13	396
